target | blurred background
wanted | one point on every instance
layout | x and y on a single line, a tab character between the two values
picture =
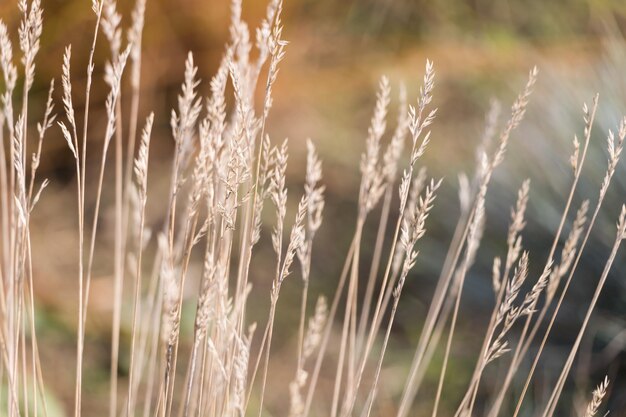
326	89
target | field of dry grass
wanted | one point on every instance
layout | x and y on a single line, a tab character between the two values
431	250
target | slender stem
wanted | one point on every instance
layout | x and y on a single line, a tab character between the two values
455	313
301	325
568	365
267	353
136	312
82	171
329	326
118	254
478	369
371	282
523	343
445	278
558	305
374	389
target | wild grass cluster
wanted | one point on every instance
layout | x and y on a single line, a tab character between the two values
228	190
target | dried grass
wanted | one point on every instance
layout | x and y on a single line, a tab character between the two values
223	170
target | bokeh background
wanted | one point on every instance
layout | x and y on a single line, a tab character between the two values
326	89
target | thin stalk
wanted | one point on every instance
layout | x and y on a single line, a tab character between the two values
82	171
556	392
376	257
136	311
455	313
374	389
452	259
118	255
267	353
556	310
524	344
329	326
301	325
